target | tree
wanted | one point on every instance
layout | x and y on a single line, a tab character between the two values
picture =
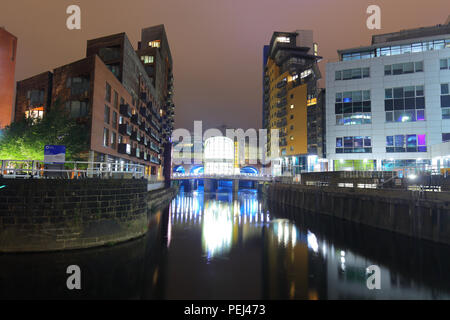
26	139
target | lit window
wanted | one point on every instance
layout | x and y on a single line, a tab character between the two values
283	39
292	106
155	44
35	113
147	59
105	137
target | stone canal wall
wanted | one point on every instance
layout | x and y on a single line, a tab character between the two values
53	214
424	215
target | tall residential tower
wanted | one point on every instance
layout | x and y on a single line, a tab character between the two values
291	99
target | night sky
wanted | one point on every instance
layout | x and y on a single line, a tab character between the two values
216	44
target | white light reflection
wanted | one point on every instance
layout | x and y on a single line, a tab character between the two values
217	230
312	242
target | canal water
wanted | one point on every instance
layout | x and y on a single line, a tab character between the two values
220	246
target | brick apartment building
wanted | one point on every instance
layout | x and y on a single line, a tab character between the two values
8	47
128	109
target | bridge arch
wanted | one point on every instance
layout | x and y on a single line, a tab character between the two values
249	169
179	169
197	170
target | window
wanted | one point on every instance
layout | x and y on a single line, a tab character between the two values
77	109
35	113
35	97
445	137
108	92
105	137
114	120
445	101
147	59
353	107
406	143
155	44
356	73
358	144
106	115
116	100
403	68
283	39
78	85
113	140
404	104
444	64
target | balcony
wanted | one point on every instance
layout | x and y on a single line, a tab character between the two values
282	103
125	129
135	119
155	136
281	84
154	147
282	123
124	148
282	93
145	141
135	152
135	136
143	111
282	113
125	110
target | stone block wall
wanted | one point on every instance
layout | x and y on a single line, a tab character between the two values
53	214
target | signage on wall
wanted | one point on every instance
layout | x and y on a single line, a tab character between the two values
55	154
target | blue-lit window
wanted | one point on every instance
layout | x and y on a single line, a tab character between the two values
353	107
406	143
358	144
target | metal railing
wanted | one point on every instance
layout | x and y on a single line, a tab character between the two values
25	169
243	176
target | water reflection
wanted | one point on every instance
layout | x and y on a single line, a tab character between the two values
220	246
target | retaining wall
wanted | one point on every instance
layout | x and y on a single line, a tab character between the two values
424	215
53	214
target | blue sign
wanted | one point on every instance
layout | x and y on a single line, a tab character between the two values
55	154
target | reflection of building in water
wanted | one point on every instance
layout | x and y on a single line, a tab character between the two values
217	228
285	266
224	221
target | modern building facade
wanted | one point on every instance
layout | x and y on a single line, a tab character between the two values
8	49
291	99
111	92
388	103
